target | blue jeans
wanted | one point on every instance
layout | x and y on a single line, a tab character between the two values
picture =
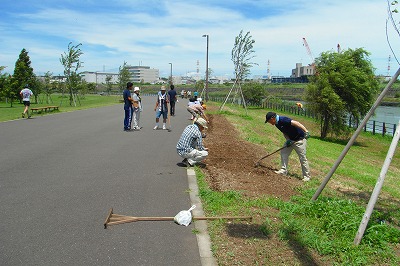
128	118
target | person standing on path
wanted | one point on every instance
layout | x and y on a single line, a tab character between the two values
128	106
190	144
161	107
296	139
26	94
137	108
172	99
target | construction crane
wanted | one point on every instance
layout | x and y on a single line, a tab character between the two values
308	51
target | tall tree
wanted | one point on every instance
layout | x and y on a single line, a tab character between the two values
124	76
242	54
23	75
71	62
344	86
108	84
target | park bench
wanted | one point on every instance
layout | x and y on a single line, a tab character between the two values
44	108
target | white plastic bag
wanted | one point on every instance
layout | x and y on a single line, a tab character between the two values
184	217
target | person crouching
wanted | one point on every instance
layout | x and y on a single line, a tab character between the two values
190	144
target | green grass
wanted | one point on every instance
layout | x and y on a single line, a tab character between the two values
88	101
329	224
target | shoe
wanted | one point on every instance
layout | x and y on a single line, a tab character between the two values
23	115
306	179
164	127
281	172
155	128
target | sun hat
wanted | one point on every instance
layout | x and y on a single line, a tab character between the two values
163	88
136	89
200	121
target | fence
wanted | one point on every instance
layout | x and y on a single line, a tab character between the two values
375	127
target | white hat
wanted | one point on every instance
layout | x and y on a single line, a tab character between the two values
136	89
200	121
163	88
199	99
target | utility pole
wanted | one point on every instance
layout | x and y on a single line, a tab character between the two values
206	35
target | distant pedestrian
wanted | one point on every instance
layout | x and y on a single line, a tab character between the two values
190	145
172	99
296	136
137	108
128	106
26	94
161	107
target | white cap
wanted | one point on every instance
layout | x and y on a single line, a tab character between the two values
201	121
136	89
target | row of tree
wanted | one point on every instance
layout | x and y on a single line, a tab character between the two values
71	83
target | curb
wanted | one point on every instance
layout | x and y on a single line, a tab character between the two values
203	239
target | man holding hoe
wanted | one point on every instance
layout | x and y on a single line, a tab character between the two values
296	136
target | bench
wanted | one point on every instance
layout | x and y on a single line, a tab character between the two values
44	108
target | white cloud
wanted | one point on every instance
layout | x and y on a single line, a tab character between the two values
171	31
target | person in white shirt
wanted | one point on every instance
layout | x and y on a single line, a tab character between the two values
137	108
26	94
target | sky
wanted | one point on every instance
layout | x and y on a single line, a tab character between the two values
156	33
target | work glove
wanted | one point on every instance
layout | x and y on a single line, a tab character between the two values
288	143
307	135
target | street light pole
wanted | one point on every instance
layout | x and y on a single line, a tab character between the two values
206	35
170	77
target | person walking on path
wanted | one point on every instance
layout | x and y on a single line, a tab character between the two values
128	106
137	108
161	107
296	136
172	99
190	144
26	94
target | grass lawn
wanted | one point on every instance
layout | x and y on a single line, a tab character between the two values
328	225
85	102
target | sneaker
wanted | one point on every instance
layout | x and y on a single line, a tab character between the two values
155	128
306	179
164	127
281	172
23	115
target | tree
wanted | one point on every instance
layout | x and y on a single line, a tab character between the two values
48	87
253	93
344	87
241	57
5	80
108	84
71	62
23	75
124	76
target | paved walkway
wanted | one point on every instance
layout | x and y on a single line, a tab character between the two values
60	174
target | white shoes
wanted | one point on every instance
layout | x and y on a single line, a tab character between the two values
306	179
155	128
164	127
281	172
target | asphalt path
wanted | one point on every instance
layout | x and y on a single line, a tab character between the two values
61	173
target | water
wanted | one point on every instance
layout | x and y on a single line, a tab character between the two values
387	114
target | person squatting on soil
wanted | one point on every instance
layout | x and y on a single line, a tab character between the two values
296	139
128	106
190	144
196	109
161	107
26	94
137	108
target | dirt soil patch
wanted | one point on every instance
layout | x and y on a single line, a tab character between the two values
231	166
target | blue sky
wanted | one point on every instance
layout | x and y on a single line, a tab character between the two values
155	33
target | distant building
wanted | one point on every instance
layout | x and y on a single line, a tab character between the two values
144	74
301	71
99	77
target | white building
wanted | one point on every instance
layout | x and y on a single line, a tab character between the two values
144	74
99	77
301	70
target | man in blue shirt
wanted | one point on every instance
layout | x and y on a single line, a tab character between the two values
190	145
128	106
296	136
172	99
